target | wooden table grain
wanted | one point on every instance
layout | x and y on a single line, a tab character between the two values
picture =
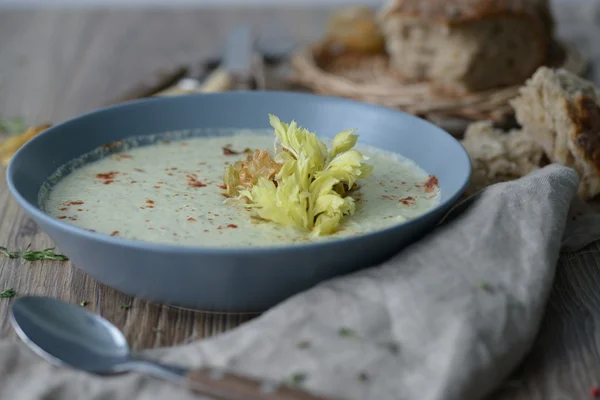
57	64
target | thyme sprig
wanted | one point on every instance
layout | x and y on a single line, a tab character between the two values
30	255
10	254
8	293
298	378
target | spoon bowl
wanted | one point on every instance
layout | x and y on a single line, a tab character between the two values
68	334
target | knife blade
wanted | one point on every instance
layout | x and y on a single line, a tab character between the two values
238	56
235	71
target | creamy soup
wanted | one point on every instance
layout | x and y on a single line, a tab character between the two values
172	192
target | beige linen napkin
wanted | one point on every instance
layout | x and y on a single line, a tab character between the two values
448	318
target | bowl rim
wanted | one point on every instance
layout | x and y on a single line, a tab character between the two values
35	212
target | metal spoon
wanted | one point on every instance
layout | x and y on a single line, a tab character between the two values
66	334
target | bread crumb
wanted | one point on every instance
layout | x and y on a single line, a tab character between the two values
499	156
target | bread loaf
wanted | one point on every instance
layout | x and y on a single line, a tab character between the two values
467	45
561	112
498	156
356	28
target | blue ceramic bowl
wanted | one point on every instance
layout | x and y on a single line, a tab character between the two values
239	279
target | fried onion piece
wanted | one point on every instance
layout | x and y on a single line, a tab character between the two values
246	173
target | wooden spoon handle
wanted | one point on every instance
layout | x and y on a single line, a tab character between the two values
227	386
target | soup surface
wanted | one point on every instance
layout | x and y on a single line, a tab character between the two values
171	192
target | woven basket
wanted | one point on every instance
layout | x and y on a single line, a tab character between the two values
370	79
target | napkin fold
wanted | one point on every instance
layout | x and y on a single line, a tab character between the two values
448	318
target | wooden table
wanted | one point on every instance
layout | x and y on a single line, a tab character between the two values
54	65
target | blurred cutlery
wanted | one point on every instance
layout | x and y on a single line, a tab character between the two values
235	71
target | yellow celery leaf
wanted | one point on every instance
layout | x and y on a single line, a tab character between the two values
288	168
297	140
342	142
327	206
350	161
347	168
308	189
331	204
323	184
263	197
285	204
283	156
231	179
328	221
326	224
298	169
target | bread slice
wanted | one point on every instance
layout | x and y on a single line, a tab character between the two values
561	111
467	45
499	156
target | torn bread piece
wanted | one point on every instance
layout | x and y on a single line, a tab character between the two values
561	112
499	156
467	45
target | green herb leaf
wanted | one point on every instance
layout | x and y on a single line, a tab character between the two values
303	345
10	254
125	306
347	332
298	378
12	125
485	286
84	303
46	254
8	293
392	347
363	377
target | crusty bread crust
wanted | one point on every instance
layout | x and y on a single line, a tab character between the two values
454	12
561	111
586	138
460	45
